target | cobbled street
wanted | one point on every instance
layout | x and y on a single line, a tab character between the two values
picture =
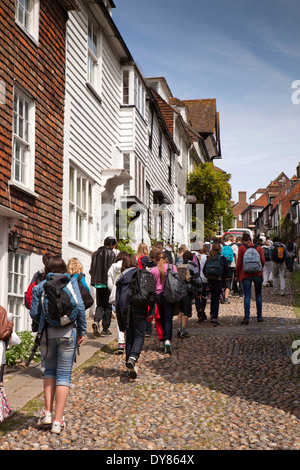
227	387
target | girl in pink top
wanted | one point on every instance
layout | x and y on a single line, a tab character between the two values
166	310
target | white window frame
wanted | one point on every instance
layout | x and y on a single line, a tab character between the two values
17	270
23	140
126	86
139	95
127	167
80	208
94	55
27	17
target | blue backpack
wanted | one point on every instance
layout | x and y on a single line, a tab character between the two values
227	252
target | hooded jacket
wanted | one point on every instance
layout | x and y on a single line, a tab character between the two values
122	296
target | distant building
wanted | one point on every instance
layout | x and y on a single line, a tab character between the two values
238	208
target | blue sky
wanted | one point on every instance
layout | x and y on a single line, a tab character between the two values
244	53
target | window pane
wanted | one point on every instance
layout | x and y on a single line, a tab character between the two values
83	196
71	186
78	192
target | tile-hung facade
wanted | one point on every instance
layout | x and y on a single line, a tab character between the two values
32	78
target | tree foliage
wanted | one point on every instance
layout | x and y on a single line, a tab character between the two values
211	187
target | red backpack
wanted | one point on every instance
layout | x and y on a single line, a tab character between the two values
37	278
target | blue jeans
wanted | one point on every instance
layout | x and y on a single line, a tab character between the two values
58	356
135	335
247	283
166	312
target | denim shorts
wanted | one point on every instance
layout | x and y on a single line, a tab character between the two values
58	356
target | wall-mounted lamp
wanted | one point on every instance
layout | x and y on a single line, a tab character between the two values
14	241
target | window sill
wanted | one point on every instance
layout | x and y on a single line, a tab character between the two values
93	91
81	245
28	33
23	188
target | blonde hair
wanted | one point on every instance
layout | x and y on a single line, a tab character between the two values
142	250
74	266
160	259
182	249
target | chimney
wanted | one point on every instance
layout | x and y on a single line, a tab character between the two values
298	171
243	197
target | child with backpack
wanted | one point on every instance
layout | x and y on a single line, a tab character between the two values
267	270
132	317
279	256
249	269
166	309
75	268
230	252
215	270
193	282
58	309
112	276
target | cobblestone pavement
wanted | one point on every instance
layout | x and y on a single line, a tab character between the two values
226	387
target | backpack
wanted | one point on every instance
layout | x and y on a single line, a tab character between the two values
85	293
278	254
175	287
142	289
251	260
214	267
290	246
266	251
37	278
59	301
184	272
227	252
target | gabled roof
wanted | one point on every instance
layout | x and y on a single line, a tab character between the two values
202	115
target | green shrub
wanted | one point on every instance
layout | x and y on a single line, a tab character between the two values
20	352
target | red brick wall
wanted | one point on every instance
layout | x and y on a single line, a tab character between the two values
40	70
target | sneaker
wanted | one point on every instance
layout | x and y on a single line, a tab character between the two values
95	327
215	322
168	348
179	331
162	345
184	334
132	368
121	348
245	321
58	426
226	301
106	332
45	419
260	319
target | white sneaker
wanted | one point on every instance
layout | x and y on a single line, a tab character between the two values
58	427
45	419
168	348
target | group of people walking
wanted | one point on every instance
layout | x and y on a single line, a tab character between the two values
59	296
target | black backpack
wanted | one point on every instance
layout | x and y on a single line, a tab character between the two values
290	246
85	293
214	267
59	301
142	289
266	251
